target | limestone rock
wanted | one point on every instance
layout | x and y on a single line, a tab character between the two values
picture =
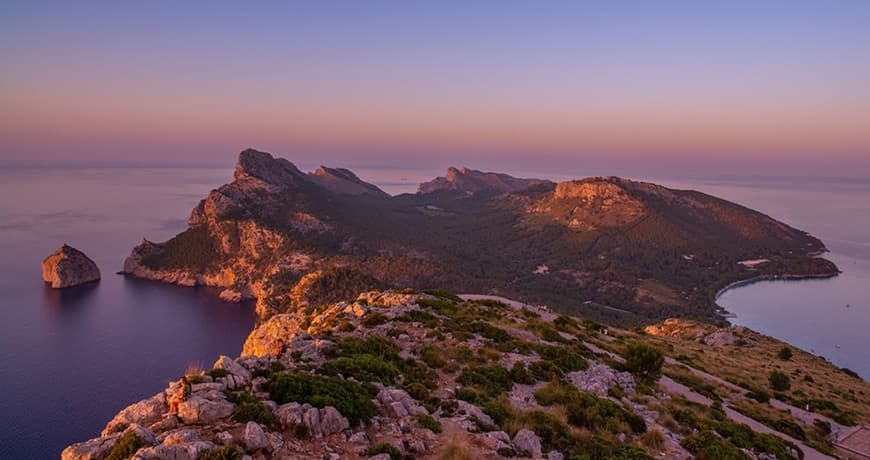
399	402
271	337
473	182
144	413
69	267
198	410
331	421
226	363
185	451
254	437
527	443
599	378
93	449
223	438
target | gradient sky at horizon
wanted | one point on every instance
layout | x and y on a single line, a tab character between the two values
760	85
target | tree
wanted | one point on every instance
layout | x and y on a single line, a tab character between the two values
785	354
779	381
644	361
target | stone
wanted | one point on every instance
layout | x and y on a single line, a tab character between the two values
527	443
254	437
198	410
144	413
399	402
331	421
555	455
311	419
271	337
599	378
223	438
226	363
290	414
358	438
68	267
181	436
93	449
380	457
185	451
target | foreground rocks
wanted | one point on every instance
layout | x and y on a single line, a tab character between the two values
68	267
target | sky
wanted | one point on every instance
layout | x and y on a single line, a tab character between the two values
773	86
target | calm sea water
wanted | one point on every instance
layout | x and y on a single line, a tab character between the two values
70	359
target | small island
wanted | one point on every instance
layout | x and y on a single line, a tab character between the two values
68	267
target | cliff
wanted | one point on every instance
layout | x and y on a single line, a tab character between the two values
432	375
68	267
615	250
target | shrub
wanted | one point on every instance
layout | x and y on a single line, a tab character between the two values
784	354
554	433
706	445
498	412
567	359
759	395
365	368
385	448
443	294
217	373
126	446
428	421
653	439
586	410
779	381
249	408
520	374
644	361
431	355
545	370
492	380
230	452
352	399
418	391
373	319
851	373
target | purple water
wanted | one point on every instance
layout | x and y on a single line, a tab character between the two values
69	360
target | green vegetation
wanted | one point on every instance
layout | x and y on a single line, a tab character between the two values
779	381
785	353
556	434
491	380
193	249
365	368
707	446
644	361
249	408
126	446
352	399
544	371
520	374
385	448
230	452
588	411
428	421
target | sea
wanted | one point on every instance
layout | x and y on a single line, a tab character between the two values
70	359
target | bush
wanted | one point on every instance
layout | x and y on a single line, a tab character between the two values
230	452
545	371
779	381
365	368
431	355
492	380
373	319
126	446
520	374
644	361
418	391
428	421
784	354
385	448
706	445
352	399
586	410
554	433
759	395
249	408
498	412
653	439
443	294
567	359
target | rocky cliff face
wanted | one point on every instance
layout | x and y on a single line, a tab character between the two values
68	267
469	181
431	376
277	234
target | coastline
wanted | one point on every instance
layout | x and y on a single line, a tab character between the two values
760	278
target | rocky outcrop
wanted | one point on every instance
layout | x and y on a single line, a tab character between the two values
317	422
527	443
345	182
598	379
68	267
470	181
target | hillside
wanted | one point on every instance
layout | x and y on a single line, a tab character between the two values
432	375
614	250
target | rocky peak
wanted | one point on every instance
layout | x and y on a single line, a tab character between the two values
69	267
256	166
592	188
473	182
343	181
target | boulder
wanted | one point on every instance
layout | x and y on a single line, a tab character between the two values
69	267
527	443
227	364
198	410
271	337
182	436
399	402
290	414
599	378
144	413
94	449
331	421
254	438
223	438
185	451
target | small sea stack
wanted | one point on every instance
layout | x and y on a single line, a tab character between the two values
68	267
